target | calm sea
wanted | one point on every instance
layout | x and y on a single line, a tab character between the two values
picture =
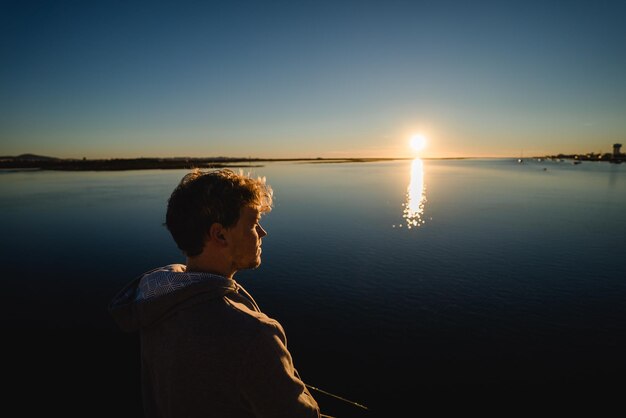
403	285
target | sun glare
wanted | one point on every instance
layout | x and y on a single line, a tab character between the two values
418	142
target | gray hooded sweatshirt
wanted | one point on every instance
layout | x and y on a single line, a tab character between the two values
207	350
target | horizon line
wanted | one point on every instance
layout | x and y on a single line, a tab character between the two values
224	158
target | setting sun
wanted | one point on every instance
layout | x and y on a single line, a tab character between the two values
418	142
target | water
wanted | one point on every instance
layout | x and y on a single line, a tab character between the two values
401	285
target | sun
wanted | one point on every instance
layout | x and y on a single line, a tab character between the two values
418	142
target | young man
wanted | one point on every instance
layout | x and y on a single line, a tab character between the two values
207	350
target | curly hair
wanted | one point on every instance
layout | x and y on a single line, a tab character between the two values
204	198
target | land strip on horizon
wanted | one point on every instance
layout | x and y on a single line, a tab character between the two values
38	162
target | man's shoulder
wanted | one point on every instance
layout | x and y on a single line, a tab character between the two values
240	308
257	327
228	317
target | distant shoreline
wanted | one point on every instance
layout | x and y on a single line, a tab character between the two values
35	162
32	162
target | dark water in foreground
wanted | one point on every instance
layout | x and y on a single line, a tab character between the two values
508	290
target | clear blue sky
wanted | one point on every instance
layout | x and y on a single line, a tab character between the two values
311	78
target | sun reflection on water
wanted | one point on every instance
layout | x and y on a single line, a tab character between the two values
415	197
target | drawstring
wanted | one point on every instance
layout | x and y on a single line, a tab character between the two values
337	397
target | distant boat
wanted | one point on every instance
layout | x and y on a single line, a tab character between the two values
519	160
577	162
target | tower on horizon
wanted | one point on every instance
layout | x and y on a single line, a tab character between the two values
616	150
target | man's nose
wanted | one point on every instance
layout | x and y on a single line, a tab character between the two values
261	231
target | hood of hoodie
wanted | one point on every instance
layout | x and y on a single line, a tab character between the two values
159	292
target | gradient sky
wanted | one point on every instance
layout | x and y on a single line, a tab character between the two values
311	78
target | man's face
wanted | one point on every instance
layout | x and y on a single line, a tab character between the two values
245	239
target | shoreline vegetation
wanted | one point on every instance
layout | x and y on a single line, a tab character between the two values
39	162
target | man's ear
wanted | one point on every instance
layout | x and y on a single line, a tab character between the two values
216	233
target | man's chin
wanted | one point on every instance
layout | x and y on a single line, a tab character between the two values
253	264
256	263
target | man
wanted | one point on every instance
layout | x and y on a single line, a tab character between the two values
207	350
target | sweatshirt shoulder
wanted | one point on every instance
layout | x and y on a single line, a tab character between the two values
260	322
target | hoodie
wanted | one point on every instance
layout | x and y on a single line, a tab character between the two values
207	350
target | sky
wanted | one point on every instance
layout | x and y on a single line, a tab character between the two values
309	79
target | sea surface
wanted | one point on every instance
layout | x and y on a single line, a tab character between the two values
476	285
